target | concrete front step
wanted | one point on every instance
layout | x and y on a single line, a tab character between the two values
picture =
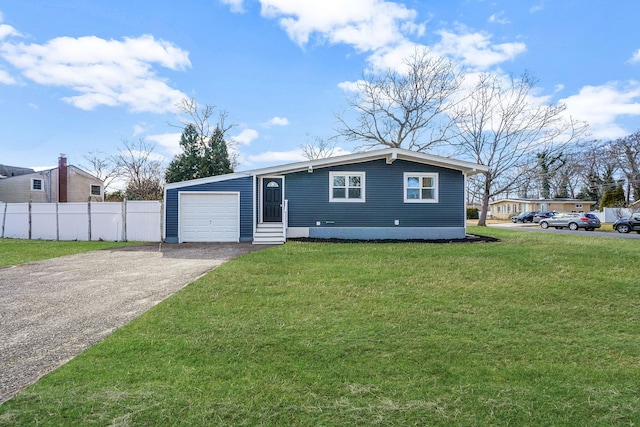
268	234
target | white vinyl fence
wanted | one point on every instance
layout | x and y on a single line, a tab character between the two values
109	221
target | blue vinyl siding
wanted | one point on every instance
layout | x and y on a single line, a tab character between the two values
308	196
242	185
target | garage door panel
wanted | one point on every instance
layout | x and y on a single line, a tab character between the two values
209	217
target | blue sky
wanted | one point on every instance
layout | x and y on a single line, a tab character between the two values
79	76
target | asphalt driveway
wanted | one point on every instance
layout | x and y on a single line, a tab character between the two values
51	311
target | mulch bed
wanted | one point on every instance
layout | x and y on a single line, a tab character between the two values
470	238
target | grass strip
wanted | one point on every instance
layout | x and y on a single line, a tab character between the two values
536	329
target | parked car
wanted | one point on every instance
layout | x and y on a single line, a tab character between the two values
573	221
542	215
625	225
524	217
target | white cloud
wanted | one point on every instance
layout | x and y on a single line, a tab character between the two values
6	78
275	157
537	8
103	72
139	129
383	28
392	57
245	137
7	31
170	141
635	57
499	18
475	49
282	157
603	106
277	121
235	5
365	24
351	86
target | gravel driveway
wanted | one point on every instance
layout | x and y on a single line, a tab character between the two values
51	311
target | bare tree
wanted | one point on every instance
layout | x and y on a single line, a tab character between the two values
627	154
200	117
397	108
319	149
596	169
102	166
499	125
141	169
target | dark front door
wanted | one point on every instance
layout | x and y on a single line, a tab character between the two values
272	200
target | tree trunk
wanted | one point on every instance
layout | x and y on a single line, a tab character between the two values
482	221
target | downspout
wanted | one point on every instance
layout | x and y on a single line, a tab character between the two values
464	205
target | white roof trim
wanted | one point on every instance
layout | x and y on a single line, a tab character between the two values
515	200
365	156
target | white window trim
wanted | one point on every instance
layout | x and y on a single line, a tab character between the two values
41	184
91	187
347	174
434	176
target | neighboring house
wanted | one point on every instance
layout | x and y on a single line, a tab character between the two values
66	183
383	194
9	171
506	208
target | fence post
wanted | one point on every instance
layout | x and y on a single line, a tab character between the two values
4	219
29	219
124	219
161	219
57	221
89	214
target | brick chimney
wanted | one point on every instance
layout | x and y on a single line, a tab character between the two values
62	178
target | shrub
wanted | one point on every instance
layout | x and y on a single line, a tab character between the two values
473	213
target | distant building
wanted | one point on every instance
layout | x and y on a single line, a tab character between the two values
9	171
506	208
66	183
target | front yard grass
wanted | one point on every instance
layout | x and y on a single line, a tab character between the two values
534	330
19	251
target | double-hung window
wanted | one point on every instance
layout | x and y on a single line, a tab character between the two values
36	184
346	186
96	190
420	187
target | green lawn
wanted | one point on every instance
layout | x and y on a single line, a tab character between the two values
18	251
535	330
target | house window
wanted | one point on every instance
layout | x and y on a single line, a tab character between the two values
420	187
36	184
346	186
96	190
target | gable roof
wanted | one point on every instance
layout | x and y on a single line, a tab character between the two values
389	154
9	171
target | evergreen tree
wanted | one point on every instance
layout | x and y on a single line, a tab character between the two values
613	198
200	157
216	155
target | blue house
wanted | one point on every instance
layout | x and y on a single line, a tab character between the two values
383	194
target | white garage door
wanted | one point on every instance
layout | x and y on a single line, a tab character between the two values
209	217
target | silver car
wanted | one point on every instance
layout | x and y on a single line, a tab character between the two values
573	221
